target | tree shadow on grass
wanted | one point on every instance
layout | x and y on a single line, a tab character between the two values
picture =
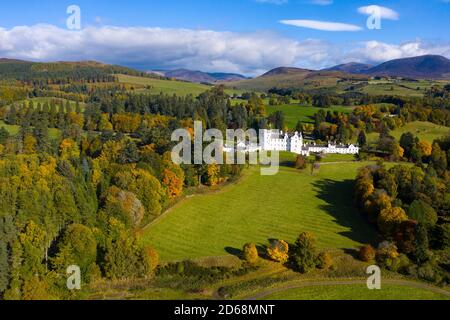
338	196
234	251
261	248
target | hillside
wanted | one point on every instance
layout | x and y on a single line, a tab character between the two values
352	67
60	72
295	78
199	76
423	67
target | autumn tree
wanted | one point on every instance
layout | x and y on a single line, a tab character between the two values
389	219
250	253
278	251
367	253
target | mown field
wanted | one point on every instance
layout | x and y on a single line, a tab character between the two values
357	292
260	208
13	130
423	130
295	112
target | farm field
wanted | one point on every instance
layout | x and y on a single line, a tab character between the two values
424	130
357	292
219	224
295	112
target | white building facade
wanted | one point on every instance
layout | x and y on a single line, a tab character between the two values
273	140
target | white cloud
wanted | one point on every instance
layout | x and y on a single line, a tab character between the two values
385	13
151	48
162	48
375	51
322	25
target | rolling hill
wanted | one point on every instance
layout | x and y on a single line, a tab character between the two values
294	78
423	67
352	67
199	76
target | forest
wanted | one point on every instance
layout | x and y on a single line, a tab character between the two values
81	196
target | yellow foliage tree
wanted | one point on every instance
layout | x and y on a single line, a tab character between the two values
250	253
212	172
29	144
68	148
390	218
426	148
278	251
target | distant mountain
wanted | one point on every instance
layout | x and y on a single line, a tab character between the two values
352	67
286	71
284	78
199	76
423	67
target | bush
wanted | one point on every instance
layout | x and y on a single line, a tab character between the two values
278	251
250	253
367	253
324	261
300	162
388	256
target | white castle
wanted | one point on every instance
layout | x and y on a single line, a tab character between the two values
274	140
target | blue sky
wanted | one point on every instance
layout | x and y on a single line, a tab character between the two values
243	36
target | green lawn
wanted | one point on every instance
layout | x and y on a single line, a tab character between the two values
357	292
424	130
13	130
260	208
295	112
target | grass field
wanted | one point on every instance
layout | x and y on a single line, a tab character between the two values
13	130
165	86
260	208
295	112
424	130
357	292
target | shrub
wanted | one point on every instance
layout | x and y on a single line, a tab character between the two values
387	255
250	253
278	251
324	261
367	253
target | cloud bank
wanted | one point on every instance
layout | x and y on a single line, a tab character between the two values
150	48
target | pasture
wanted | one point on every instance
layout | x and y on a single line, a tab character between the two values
426	131
156	86
259	208
357	292
295	112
